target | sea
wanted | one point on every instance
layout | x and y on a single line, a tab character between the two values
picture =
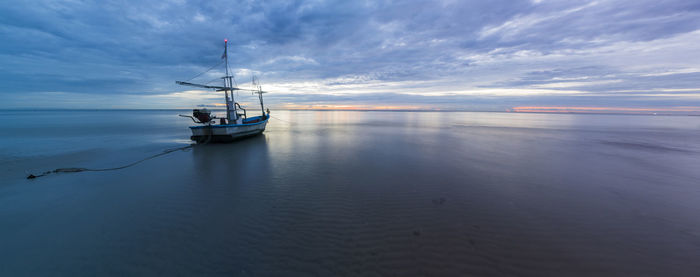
351	193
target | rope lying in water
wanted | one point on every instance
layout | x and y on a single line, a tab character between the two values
81	169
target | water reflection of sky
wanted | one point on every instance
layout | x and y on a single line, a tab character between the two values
338	192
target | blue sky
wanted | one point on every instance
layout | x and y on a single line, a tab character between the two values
472	55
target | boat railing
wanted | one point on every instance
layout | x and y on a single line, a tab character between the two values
245	114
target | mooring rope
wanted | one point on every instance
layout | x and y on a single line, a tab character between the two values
81	169
210	135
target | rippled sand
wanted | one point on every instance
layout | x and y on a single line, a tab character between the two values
369	194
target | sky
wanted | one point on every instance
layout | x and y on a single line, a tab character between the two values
534	55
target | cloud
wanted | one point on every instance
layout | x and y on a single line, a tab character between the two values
515	52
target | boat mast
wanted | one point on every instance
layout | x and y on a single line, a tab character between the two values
258	87
260	92
228	83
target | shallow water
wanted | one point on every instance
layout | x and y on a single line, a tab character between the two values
353	193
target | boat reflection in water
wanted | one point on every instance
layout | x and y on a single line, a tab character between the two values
213	162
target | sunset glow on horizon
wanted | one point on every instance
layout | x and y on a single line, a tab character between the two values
624	110
289	106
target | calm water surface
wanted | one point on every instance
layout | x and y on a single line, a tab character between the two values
353	194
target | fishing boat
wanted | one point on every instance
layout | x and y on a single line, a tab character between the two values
236	123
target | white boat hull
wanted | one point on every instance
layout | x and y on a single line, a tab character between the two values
228	132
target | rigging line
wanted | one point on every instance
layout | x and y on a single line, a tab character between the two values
200	74
212	80
280	119
236	85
